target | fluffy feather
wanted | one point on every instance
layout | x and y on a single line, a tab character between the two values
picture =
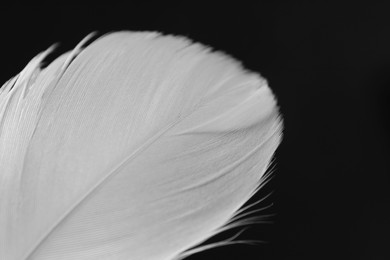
139	146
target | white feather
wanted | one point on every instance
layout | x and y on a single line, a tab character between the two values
140	148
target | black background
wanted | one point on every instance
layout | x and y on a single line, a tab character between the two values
328	64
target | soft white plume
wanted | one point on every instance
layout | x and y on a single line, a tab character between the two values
136	147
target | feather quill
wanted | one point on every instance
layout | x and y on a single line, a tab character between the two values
139	146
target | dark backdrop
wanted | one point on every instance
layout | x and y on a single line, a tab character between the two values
328	64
